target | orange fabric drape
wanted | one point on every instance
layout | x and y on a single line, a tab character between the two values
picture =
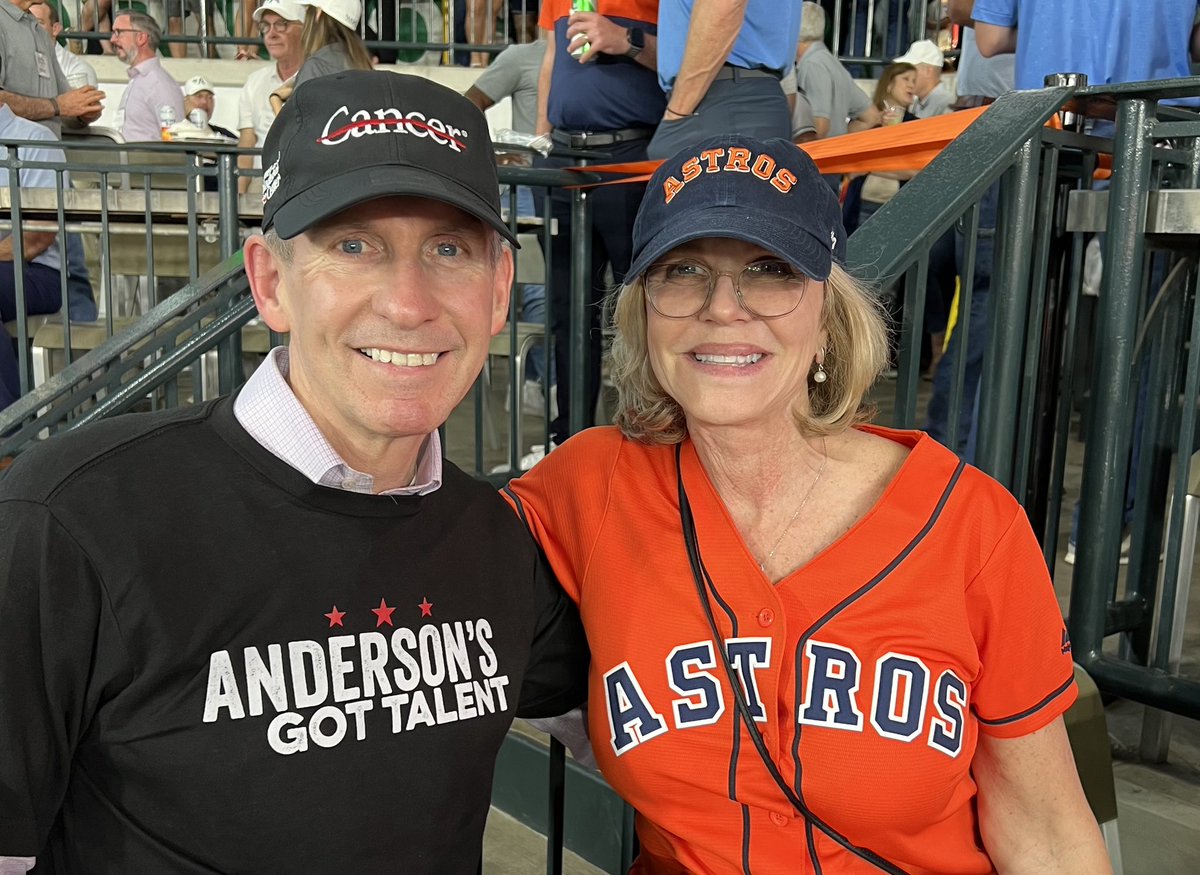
908	146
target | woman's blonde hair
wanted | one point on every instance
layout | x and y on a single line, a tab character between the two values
321	30
855	354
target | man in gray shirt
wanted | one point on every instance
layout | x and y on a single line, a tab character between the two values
31	82
933	97
514	73
838	105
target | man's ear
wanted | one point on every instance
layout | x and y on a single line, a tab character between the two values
265	272
502	289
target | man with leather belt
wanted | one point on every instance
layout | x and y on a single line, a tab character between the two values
597	91
720	63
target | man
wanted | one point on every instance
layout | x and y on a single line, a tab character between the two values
597	93
1147	40
198	94
836	103
81	298
514	74
31	81
280	23
39	257
933	97
309	662
78	71
720	63
980	81
135	39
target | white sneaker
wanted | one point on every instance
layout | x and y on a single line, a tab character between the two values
1126	542
536	453
533	400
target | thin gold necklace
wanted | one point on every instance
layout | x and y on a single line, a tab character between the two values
762	566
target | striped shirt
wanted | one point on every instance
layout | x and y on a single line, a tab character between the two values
270	411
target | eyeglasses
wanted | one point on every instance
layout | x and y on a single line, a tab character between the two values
279	25
121	31
766	289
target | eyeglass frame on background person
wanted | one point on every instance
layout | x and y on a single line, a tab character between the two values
653	286
279	25
121	31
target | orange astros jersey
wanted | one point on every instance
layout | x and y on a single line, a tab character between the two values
870	671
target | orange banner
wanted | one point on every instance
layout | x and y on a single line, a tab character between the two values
908	146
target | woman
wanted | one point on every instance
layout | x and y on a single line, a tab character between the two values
894	93
329	44
883	611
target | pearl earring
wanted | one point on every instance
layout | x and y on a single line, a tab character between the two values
820	376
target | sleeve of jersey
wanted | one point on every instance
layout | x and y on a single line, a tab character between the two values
1026	674
551	11
563	499
52	663
1002	13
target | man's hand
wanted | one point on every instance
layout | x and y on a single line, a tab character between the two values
602	34
84	103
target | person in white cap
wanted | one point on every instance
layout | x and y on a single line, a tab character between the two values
933	97
280	23
198	94
330	39
329	43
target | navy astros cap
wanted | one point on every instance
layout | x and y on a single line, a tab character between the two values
767	192
358	135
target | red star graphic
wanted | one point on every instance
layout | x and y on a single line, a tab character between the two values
426	607
383	612
335	617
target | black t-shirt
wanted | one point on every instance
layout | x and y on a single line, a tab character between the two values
210	664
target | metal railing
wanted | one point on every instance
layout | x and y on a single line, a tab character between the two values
1041	362
865	33
137	353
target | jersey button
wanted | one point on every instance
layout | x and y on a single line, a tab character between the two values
779	819
766	617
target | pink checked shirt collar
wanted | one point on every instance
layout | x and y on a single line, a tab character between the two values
270	411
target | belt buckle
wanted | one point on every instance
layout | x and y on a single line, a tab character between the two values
579	140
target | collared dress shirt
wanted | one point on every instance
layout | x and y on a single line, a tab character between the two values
150	88
272	414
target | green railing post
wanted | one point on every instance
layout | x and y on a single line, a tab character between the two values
1000	385
580	322
1106	457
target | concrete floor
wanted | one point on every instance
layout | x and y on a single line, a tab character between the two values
511	848
1158	804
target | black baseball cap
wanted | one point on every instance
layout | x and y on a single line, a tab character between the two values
358	135
767	192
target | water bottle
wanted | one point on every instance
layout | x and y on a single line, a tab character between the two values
166	118
198	117
580	45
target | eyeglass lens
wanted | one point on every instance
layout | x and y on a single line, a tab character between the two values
765	288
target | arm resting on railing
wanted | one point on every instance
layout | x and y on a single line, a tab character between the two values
34	244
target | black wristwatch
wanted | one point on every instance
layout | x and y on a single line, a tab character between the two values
637	41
